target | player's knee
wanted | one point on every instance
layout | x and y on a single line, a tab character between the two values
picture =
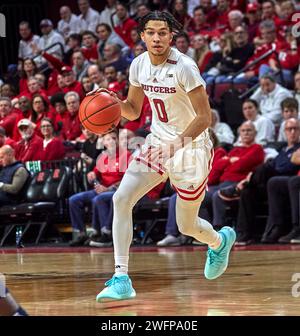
120	199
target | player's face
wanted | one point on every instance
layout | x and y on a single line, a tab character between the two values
158	37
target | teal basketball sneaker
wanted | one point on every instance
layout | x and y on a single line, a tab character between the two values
119	287
217	260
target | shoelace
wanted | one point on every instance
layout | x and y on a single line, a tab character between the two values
214	257
121	285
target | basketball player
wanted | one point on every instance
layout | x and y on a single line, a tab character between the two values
178	147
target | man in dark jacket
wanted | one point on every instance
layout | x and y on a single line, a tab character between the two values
13	176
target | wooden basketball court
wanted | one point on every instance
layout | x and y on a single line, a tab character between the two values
168	281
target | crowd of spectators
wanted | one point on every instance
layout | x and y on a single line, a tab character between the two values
39	102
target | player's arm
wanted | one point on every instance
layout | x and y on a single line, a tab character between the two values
131	107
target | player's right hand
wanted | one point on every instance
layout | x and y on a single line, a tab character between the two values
113	94
98	91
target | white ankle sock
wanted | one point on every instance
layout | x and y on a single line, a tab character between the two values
121	265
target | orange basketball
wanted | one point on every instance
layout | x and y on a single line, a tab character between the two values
99	113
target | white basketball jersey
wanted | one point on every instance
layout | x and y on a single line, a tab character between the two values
166	86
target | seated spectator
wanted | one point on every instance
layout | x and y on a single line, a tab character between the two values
113	57
40	110
41	78
180	13
107	13
7	90
223	9
199	23
29	69
60	111
96	77
283	196
34	87
265	130
112	79
73	44
237	58
269	96
289	109
182	43
80	65
89	46
53	148
4	140
126	24
252	191
222	130
69	22
285	62
87	85
71	84
13	176
29	148
269	12
27	39
107	35
233	168
105	178
71	125
253	19
202	52
225	46
8	116
265	43
235	19
89	17
89	149
49	37
24	105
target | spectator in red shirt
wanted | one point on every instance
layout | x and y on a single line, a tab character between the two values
202	52
29	69
30	147
104	179
71	125
126	24
4	140
53	148
199	24
71	84
253	18
89	46
40	110
223	10
180	13
24	104
269	12
8	116
233	168
33	87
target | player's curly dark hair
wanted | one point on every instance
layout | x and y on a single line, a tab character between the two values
172	23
